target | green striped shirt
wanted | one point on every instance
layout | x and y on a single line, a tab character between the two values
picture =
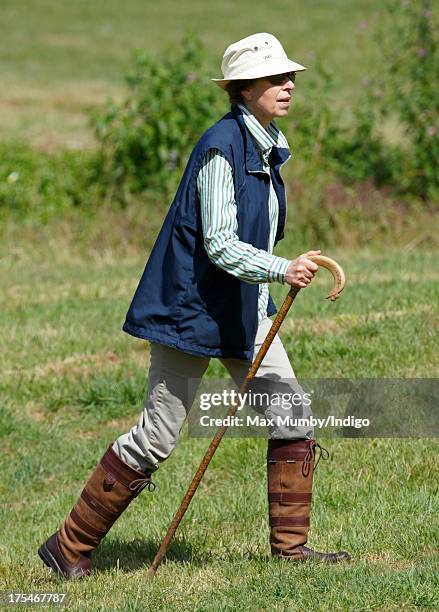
219	216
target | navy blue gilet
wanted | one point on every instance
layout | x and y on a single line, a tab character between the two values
185	301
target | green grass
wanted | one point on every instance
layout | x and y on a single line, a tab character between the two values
58	57
71	382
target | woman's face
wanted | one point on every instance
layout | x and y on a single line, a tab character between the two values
267	101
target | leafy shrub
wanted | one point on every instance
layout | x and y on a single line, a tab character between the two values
40	184
328	143
360	153
146	140
405	91
410	49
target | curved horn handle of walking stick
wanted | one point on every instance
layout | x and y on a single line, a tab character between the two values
336	271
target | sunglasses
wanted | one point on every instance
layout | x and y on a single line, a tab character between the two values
279	79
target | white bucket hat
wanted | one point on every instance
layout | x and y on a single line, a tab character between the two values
253	57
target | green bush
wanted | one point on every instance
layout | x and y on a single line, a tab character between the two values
409	45
37	184
360	154
405	93
145	141
313	122
352	150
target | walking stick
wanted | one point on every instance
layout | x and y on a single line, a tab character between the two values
339	283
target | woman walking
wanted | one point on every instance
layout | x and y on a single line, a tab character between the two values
205	293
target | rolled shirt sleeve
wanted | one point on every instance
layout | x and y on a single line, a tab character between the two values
219	219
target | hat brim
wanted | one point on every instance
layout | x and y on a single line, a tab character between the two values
263	70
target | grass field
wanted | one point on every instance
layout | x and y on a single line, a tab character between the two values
56	58
71	381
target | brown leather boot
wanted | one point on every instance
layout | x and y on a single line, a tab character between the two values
109	490
290	476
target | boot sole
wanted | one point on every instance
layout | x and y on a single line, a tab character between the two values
49	560
310	558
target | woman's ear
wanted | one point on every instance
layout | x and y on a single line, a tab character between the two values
247	93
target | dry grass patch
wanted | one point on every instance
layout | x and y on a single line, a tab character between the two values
72	366
387	562
204	579
50	293
77	364
391	277
343	322
53	117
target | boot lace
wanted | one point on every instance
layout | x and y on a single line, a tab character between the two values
141	483
311	455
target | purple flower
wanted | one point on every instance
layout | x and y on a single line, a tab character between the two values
191	77
431	130
428	14
422	52
364	24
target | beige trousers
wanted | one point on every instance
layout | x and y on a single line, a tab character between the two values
169	398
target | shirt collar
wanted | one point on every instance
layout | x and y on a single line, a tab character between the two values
253	157
266	139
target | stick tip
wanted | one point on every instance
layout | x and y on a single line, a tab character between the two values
150	573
